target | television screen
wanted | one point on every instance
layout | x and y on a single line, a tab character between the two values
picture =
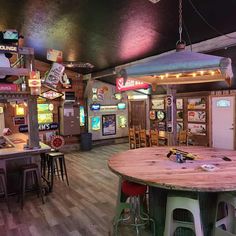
43	108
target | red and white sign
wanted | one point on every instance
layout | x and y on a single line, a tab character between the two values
34	80
8	87
130	84
54	55
51	94
57	142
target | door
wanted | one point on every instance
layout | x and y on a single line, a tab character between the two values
223	110
137	114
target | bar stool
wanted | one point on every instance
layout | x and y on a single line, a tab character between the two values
33	171
186	203
3	183
134	192
226	226
53	158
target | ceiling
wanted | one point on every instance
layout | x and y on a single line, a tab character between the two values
107	33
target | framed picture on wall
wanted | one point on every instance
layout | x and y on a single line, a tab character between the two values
179	103
95	122
158	104
197	129
108	124
196	116
196	103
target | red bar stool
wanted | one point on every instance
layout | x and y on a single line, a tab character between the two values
137	218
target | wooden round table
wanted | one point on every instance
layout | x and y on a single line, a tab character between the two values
151	166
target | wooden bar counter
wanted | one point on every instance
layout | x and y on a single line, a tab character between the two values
163	175
14	154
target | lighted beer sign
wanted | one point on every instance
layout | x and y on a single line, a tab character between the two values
130	84
51	94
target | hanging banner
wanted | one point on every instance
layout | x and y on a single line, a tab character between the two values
54	75
130	84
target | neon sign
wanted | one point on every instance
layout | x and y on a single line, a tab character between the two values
130	84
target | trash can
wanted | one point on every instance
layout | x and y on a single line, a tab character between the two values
86	141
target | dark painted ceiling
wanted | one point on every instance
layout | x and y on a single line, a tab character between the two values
107	33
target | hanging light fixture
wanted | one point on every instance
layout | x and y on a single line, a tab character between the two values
181	67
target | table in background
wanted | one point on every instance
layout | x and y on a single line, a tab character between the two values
152	167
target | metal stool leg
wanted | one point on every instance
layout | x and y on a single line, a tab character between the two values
39	183
64	164
3	183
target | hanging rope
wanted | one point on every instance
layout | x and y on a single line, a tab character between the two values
180	21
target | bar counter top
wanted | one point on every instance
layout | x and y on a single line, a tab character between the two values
18	141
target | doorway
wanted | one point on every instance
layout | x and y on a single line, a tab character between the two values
137	114
223	113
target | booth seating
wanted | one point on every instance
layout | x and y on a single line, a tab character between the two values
30	172
154	138
226	226
3	184
186	203
135	193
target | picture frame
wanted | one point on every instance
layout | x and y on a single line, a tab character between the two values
197	129
196	103
108	124
158	104
196	116
179	103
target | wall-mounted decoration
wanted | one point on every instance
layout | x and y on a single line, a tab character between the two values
108	108
95	122
180	126
42	127
158	103
20	120
122	121
196	116
118	96
109	124
121	106
152	115
34	83
130	84
54	55
8	87
179	115
51	94
94	95
54	75
95	107
81	116
45	118
196	103
161	115
197	129
20	110
179	103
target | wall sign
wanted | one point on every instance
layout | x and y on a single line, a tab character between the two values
169	113
51	94
8	87
8	48
42	127
54	55
109	124
57	142
19	120
130	84
54	75
95	107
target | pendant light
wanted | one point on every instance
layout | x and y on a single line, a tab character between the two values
181	67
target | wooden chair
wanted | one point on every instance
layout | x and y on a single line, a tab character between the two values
143	138
183	137
134	141
154	138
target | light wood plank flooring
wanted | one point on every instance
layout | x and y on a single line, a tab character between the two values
85	208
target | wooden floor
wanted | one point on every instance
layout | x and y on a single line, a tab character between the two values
85	208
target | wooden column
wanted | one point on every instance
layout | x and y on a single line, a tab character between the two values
33	122
172	136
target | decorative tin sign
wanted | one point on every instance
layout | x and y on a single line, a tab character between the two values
54	55
51	94
54	75
130	84
8	87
